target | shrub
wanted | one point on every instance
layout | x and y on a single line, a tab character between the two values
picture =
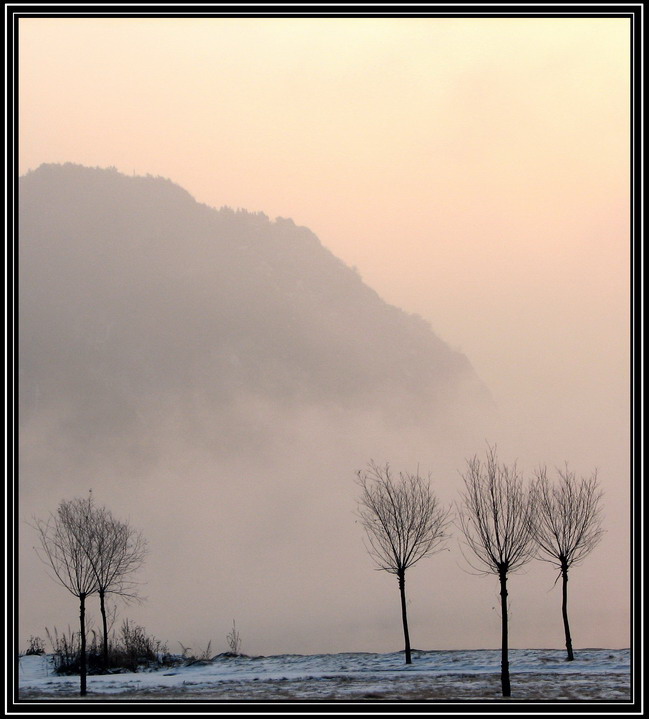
36	646
132	651
66	649
206	655
203	657
234	640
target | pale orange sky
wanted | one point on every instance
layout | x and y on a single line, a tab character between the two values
476	171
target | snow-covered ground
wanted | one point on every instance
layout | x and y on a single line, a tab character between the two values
536	675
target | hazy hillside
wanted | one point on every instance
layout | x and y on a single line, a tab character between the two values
131	293
219	378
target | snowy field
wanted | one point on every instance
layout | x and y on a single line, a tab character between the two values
536	675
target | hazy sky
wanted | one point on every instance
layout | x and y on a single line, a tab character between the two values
475	171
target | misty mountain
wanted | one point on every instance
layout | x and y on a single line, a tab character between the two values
136	300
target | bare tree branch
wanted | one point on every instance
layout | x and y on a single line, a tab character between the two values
67	547
567	526
117	551
495	516
404	522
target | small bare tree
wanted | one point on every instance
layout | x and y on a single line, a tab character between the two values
567	526
404	523
495	519
118	550
66	546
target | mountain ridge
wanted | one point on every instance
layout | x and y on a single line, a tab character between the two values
130	288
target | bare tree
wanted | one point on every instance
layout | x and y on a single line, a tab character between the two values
404	523
567	526
66	546
495	520
118	550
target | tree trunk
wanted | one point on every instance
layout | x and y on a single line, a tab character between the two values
104	622
82	658
504	657
564	612
404	616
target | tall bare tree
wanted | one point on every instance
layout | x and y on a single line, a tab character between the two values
117	551
567	526
495	516
66	546
404	522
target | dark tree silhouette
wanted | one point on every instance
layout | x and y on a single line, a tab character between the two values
404	523
495	519
567	526
66	546
118	550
